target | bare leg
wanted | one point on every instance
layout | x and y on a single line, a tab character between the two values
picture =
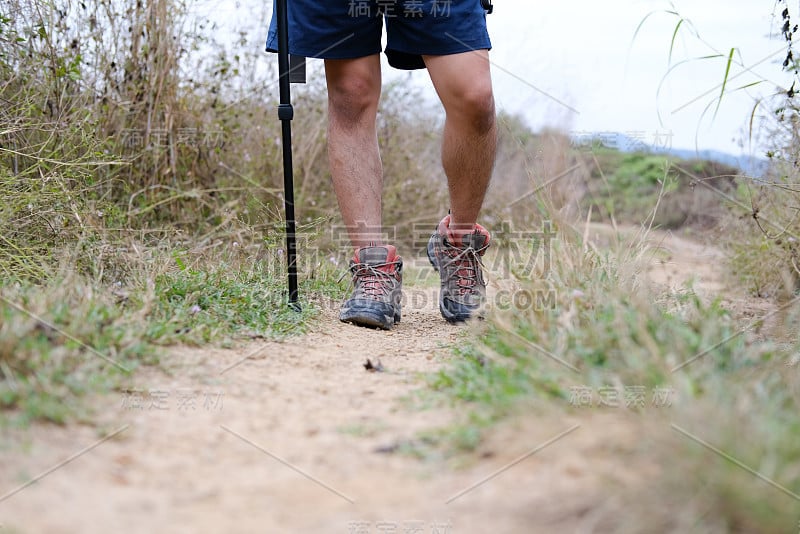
354	89
464	84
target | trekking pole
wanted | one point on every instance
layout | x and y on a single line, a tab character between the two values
286	114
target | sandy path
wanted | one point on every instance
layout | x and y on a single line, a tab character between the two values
285	437
284	441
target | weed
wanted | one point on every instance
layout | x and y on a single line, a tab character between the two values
608	337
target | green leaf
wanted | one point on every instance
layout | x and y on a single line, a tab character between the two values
672	43
725	80
639	27
753	117
178	261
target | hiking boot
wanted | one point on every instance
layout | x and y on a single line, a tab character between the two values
377	279
463	291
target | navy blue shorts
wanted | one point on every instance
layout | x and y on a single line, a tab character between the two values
347	29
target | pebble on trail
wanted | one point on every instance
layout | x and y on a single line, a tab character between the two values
376	367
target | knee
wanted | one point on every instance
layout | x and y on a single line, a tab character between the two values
475	106
352	98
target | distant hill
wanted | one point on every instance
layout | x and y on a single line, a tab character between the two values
626	186
749	165
661	145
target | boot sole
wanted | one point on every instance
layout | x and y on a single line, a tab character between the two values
370	318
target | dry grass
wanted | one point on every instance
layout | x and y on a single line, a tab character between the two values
604	328
763	237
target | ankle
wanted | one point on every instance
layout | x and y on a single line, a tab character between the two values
454	231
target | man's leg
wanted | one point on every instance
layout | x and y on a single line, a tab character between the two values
354	89
463	82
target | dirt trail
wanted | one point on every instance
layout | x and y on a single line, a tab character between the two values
677	263
286	437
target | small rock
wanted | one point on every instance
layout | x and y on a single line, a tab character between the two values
376	367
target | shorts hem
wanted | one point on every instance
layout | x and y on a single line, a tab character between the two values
297	51
445	51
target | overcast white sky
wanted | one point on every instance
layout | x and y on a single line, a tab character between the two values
574	65
582	53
